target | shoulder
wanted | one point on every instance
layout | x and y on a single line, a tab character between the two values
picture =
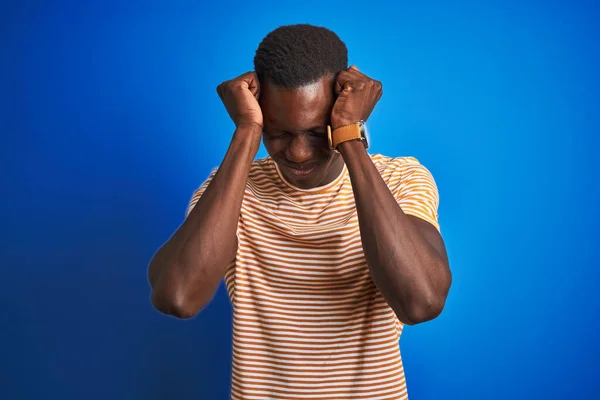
382	159
262	168
405	176
262	175
397	166
412	185
262	165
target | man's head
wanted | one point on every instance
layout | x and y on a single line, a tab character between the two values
296	66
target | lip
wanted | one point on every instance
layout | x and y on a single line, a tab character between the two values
301	172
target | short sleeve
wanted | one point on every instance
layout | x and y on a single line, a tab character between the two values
417	193
199	192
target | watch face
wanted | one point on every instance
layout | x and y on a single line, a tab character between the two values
364	132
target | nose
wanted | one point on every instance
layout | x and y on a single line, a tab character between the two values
299	149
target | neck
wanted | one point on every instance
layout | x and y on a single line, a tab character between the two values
335	169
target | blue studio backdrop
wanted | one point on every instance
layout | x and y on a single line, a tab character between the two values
110	120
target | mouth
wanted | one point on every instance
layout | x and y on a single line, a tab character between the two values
301	172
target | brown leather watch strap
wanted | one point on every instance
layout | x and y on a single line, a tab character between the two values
343	134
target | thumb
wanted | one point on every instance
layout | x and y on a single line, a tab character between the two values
353	67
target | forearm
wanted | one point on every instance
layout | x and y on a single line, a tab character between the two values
407	270
188	268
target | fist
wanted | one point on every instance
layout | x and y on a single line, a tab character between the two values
240	97
357	96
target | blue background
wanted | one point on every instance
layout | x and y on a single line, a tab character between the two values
110	120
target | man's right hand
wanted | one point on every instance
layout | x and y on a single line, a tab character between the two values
240	97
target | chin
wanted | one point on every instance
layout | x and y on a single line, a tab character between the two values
308	182
312	180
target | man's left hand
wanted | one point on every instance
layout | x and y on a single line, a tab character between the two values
357	96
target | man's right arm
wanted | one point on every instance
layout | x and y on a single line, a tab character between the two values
186	271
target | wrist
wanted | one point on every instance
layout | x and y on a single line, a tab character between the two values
335	124
250	127
351	147
246	139
353	132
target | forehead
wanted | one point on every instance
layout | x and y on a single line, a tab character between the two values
300	108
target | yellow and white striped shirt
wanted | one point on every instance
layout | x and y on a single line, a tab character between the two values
308	321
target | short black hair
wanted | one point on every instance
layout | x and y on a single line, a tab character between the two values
296	55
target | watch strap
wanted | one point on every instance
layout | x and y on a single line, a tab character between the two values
343	134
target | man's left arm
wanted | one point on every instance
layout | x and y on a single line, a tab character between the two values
406	255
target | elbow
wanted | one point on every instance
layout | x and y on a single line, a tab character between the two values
427	306
430	303
426	310
172	294
175	302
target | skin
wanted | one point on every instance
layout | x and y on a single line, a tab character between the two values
406	256
295	131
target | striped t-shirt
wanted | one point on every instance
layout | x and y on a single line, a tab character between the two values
308	321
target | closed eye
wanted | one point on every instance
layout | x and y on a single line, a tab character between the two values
278	135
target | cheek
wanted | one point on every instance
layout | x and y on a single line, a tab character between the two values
273	146
323	146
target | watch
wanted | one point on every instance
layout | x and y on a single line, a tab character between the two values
357	131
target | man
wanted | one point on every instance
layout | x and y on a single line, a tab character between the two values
326	250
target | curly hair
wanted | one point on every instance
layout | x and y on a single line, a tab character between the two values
296	55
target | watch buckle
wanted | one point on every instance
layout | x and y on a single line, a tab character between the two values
330	138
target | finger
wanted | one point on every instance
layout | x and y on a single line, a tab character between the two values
255	90
338	86
342	80
253	84
354	67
